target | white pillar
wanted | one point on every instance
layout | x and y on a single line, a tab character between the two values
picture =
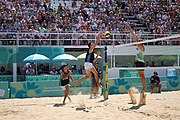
178	60
114	51
14	72
114	61
111	60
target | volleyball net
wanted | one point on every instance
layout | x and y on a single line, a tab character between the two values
161	54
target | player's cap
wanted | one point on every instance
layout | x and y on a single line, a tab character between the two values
63	65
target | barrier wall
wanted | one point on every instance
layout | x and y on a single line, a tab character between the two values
86	83
42	78
51	87
4	88
40	86
20	78
9	78
45	88
117	86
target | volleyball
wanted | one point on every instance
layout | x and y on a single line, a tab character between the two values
107	34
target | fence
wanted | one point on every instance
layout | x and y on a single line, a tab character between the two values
75	39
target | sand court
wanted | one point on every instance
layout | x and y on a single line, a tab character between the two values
164	106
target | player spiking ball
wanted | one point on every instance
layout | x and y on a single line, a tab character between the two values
90	59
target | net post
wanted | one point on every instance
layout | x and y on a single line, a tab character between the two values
105	75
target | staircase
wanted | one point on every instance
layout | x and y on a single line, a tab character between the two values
140	26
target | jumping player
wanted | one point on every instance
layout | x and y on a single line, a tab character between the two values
94	88
65	76
139	61
89	61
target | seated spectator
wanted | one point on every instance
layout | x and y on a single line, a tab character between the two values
74	70
155	82
19	71
40	69
162	64
53	71
24	68
30	71
175	64
81	70
3	71
147	64
153	64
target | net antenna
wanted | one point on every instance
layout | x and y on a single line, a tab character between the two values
148	41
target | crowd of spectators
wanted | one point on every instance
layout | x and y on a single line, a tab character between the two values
43	69
73	70
92	16
159	17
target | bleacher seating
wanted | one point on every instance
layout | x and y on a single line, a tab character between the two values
75	16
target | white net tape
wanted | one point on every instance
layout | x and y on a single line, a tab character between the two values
148	41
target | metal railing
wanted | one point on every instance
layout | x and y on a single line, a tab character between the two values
76	39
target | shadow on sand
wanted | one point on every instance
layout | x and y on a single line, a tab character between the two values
102	101
135	107
131	108
58	105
